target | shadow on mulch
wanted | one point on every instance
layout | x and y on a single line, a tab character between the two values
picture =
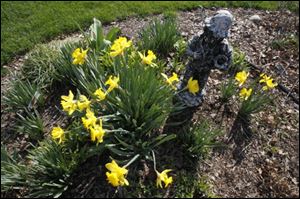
241	134
176	122
89	180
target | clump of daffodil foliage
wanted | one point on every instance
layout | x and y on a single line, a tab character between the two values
254	95
120	104
257	95
116	98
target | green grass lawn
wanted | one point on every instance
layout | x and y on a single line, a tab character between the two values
24	24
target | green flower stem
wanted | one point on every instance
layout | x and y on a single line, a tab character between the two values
185	88
116	130
154	161
132	160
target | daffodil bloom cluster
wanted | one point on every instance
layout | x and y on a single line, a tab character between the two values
116	176
83	102
101	95
241	77
163	177
90	123
79	56
148	59
112	82
268	81
70	105
245	93
170	80
58	133
119	45
193	86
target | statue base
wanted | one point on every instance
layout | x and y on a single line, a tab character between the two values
191	100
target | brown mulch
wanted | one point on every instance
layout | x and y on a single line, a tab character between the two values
265	164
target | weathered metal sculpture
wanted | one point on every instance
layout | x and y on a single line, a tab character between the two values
208	51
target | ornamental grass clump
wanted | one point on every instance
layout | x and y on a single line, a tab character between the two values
13	175
39	67
197	139
24	96
160	36
45	174
31	124
228	89
50	168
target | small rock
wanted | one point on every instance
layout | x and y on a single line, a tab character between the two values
184	34
255	18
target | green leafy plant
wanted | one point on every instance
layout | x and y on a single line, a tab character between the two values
90	75
31	124
24	95
179	57
239	62
135	109
50	167
198	139
96	38
254	104
47	169
39	67
228	89
86	77
180	47
190	186
284	43
143	103
160	36
206	188
66	71
13	174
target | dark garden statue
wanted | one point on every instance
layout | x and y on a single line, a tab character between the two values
208	51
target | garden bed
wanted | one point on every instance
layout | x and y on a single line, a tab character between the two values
265	164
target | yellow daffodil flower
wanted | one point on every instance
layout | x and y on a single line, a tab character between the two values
268	81
58	133
119	45
97	132
100	94
112	82
90	119
116	177
172	79
241	77
83	102
193	86
245	94
68	103
163	177
79	56
113	179
147	59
